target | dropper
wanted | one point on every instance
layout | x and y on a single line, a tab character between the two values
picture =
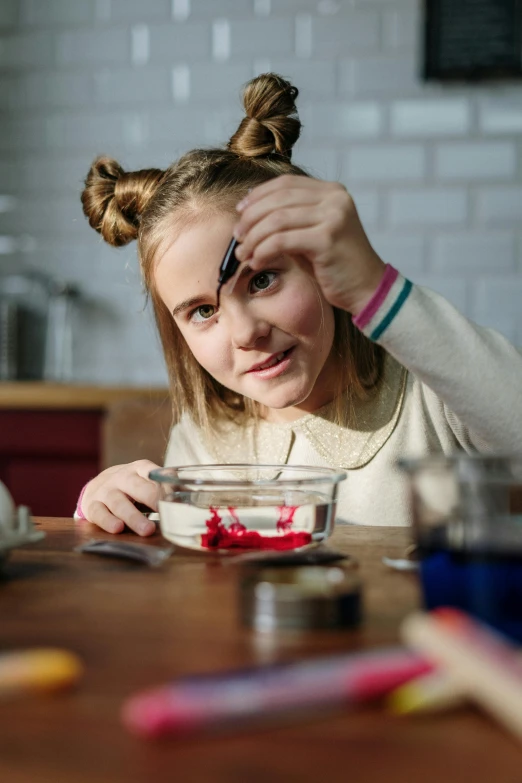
228	266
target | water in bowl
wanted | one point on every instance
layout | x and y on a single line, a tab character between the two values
216	521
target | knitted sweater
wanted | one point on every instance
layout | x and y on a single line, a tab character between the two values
449	385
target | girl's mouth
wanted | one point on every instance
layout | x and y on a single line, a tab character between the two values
273	366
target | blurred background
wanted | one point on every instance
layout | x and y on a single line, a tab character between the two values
435	168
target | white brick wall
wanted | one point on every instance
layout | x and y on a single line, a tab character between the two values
148	85
405	252
385	162
434	206
430	118
50	89
22	133
55	12
381	75
501	114
467	253
356	31
261	37
171	42
217	82
93	47
500	204
96	131
27	50
315	78
8	13
401	25
476	160
497	304
337	120
129	11
435	170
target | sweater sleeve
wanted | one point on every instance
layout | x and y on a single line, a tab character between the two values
475	371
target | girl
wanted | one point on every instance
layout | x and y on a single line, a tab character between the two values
319	352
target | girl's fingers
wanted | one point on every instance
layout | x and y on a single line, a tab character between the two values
273	203
283	182
109	500
141	489
143	467
100	515
282	220
123	509
305	241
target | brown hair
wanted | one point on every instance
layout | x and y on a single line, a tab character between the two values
145	204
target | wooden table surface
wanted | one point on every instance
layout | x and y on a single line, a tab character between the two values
136	627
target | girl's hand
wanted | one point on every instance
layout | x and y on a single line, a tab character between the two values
315	220
108	498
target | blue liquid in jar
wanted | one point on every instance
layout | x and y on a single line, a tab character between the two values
484	584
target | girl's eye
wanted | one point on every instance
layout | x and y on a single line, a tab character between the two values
204	312
262	281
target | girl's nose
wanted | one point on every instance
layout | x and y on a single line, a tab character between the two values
246	328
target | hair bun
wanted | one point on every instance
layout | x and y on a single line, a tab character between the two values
272	124
114	200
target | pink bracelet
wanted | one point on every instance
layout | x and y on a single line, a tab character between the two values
79	513
367	313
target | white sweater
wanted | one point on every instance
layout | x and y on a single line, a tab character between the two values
449	386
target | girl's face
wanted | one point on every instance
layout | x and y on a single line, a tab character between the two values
271	338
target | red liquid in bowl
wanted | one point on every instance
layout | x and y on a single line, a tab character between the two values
238	536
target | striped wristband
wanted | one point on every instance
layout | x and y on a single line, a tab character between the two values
384	305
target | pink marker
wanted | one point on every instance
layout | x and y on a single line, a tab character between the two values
197	703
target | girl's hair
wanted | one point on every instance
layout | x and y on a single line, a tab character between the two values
147	204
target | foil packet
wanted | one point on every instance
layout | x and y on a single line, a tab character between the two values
149	554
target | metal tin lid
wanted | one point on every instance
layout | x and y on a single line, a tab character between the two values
306	597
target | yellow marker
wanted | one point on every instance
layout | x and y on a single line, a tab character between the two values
39	670
432	692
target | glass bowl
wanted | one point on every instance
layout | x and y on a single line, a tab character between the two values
231	507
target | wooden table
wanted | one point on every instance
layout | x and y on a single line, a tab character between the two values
136	627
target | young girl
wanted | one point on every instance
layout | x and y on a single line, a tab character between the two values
319	353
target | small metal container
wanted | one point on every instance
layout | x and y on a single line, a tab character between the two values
300	598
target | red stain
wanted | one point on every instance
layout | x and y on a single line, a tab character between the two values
237	535
286	518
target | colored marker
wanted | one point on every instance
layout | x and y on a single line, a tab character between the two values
198	703
39	670
433	692
481	662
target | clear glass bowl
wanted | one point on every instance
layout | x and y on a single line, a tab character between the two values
240	507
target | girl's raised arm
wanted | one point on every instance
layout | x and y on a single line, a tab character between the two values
476	372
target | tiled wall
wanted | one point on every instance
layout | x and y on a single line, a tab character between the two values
435	170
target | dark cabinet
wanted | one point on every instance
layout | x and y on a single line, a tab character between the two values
54	438
46	456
